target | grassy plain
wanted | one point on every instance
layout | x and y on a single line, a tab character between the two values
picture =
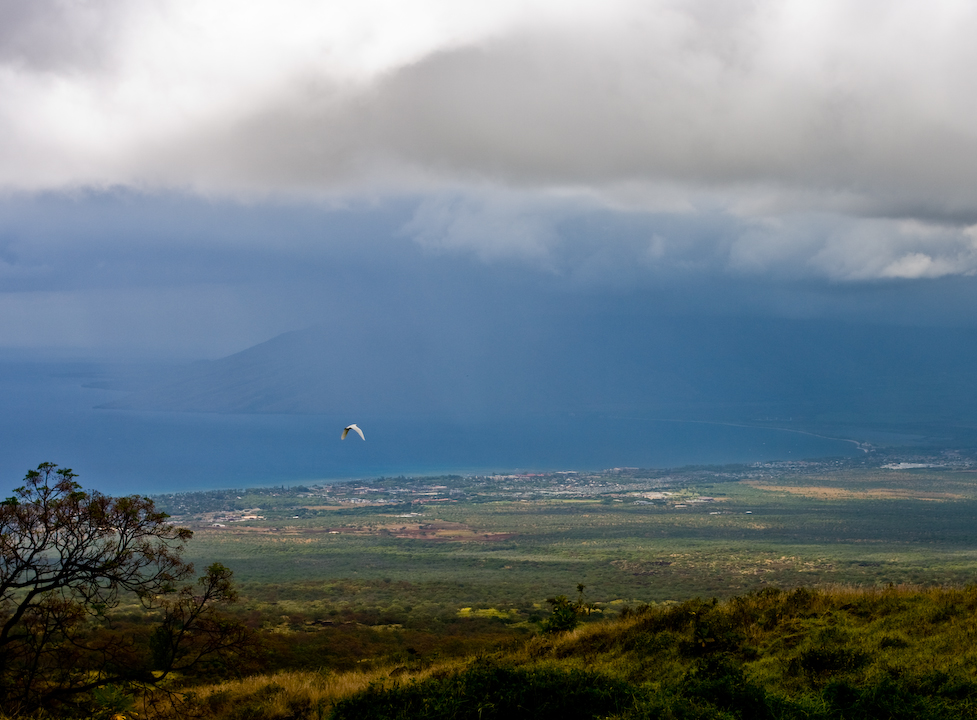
437	563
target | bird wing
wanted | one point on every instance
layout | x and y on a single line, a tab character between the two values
356	429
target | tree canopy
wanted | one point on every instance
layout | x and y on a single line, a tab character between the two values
68	557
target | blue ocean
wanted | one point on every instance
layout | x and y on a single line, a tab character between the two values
48	415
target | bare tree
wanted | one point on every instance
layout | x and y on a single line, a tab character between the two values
67	558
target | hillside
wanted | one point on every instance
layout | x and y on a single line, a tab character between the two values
840	653
840	591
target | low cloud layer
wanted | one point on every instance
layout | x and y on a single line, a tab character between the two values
577	237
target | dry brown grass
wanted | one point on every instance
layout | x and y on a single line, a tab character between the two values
822	492
771	622
288	694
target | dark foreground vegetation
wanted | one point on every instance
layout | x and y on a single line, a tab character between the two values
68	559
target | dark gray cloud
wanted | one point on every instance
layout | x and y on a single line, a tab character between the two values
172	276
59	36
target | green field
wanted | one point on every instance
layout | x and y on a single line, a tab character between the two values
415	552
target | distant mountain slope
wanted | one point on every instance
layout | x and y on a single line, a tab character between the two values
743	368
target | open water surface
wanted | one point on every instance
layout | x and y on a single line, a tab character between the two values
46	414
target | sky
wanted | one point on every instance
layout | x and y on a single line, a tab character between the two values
183	180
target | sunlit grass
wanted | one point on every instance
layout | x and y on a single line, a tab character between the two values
787	650
305	694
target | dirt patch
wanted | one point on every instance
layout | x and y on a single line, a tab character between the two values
436	531
439	531
822	492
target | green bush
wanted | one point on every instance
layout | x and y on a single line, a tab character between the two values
489	691
564	617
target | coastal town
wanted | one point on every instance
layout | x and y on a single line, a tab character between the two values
409	496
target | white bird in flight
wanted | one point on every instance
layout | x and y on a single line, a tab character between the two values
352	427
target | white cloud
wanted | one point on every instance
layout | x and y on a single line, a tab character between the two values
917	265
493	225
710	93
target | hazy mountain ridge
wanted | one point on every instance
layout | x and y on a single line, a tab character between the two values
685	367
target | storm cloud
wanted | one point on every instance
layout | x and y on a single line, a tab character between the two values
194	178
765	107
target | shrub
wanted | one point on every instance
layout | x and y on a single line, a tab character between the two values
564	616
489	691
